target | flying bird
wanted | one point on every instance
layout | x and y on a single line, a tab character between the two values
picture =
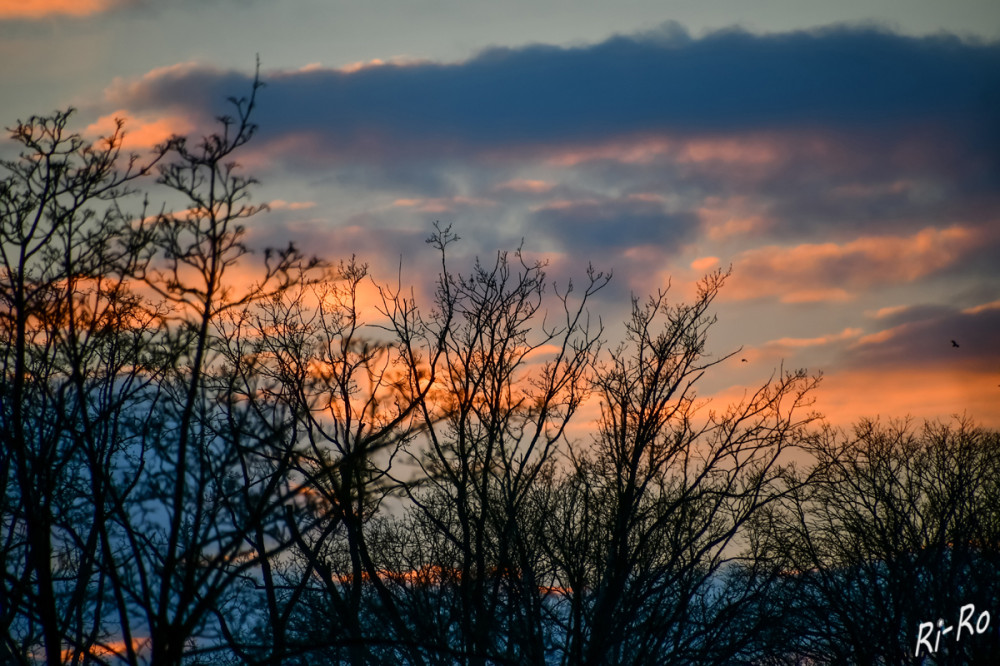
954	344
743	360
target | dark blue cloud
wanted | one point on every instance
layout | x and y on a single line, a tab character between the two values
842	79
614	225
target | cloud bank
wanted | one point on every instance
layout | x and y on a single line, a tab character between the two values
854	80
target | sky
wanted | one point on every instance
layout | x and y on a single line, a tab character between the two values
843	158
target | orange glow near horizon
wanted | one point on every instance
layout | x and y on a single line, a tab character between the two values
109	649
429	574
36	9
936	393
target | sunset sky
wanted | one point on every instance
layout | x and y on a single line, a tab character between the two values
843	157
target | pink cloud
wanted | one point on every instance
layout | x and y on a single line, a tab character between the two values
525	186
646	197
722	218
993	305
880	336
566	204
280	204
834	295
749	151
828	271
924	339
774	352
846	334
442	204
888	311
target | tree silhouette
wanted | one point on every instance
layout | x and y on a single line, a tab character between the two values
650	531
116	530
495	424
201	467
76	348
898	526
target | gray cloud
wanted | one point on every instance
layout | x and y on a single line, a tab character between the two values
925	342
614	225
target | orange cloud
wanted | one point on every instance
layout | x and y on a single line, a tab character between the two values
881	336
824	271
746	151
774	351
888	311
754	151
394	61
36	9
441	204
993	305
723	218
846	334
704	263
648	197
565	204
142	132
833	295
281	204
525	186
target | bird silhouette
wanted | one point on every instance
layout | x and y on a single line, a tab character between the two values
743	360
954	344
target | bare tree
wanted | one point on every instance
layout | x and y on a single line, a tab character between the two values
898	527
74	350
511	379
650	535
119	528
351	403
199	499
